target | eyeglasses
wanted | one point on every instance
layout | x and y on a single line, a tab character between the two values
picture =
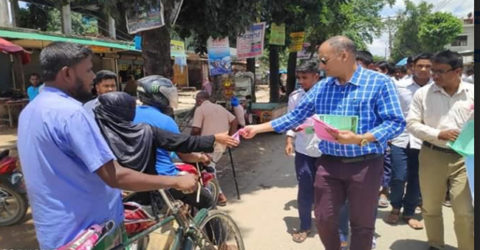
324	60
440	72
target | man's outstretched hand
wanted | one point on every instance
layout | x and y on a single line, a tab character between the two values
249	131
225	139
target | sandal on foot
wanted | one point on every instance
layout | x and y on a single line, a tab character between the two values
383	201
413	223
300	236
393	217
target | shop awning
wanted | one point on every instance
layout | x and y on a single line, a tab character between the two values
35	39
9	47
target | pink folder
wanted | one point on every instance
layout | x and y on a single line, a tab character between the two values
320	128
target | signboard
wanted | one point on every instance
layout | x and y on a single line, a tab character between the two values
219	60
144	16
296	41
250	43
177	48
304	54
277	34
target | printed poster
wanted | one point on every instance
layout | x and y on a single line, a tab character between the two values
296	43
144	16
277	34
250	44
219	59
177	48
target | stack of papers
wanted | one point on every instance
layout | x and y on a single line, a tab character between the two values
322	124
464	144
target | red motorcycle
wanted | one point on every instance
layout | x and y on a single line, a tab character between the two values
13	195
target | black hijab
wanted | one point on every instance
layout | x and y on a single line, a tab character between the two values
132	144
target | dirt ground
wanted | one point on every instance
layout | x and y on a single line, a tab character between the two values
267	211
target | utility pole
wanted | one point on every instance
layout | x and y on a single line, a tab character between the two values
111	27
5	14
389	37
66	19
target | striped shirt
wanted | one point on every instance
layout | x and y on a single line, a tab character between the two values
368	94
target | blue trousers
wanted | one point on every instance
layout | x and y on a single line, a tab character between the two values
305	168
404	171
387	168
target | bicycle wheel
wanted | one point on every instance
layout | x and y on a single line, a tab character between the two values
221	231
212	187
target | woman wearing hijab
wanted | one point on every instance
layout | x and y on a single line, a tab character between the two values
134	144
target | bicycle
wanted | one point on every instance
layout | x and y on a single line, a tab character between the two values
209	229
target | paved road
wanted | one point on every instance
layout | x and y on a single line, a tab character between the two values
267	211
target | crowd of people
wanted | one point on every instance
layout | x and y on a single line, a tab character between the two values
406	116
87	150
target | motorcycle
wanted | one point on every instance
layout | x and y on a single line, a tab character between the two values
13	195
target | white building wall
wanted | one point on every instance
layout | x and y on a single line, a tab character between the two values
467	31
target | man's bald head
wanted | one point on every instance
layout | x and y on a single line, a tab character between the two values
201	97
342	43
337	55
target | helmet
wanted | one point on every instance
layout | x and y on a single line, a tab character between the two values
157	91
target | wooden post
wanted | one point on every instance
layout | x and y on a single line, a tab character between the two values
66	19
251	68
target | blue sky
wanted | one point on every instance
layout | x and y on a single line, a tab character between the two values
459	8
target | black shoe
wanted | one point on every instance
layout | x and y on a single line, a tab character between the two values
433	248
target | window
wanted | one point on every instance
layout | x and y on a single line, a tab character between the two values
460	41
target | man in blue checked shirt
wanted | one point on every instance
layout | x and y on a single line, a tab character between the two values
352	167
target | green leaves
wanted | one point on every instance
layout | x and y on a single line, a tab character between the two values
438	30
420	30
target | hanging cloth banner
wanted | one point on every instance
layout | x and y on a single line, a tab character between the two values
144	16
219	60
250	43
177	48
277	34
304	54
296	43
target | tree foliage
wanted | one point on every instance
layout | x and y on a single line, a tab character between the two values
438	30
420	30
33	17
200	19
362	21
406	41
48	18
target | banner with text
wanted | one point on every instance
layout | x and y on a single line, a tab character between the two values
250	44
277	34
219	60
144	16
296	41
177	48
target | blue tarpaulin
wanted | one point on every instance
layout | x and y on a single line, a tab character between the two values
402	62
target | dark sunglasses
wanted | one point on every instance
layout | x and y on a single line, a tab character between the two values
324	60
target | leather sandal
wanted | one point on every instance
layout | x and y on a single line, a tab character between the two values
393	217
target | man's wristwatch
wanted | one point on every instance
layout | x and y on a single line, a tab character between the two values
363	142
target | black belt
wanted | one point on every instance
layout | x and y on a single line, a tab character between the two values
437	148
354	159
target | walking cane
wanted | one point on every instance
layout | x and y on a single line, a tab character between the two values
234	174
